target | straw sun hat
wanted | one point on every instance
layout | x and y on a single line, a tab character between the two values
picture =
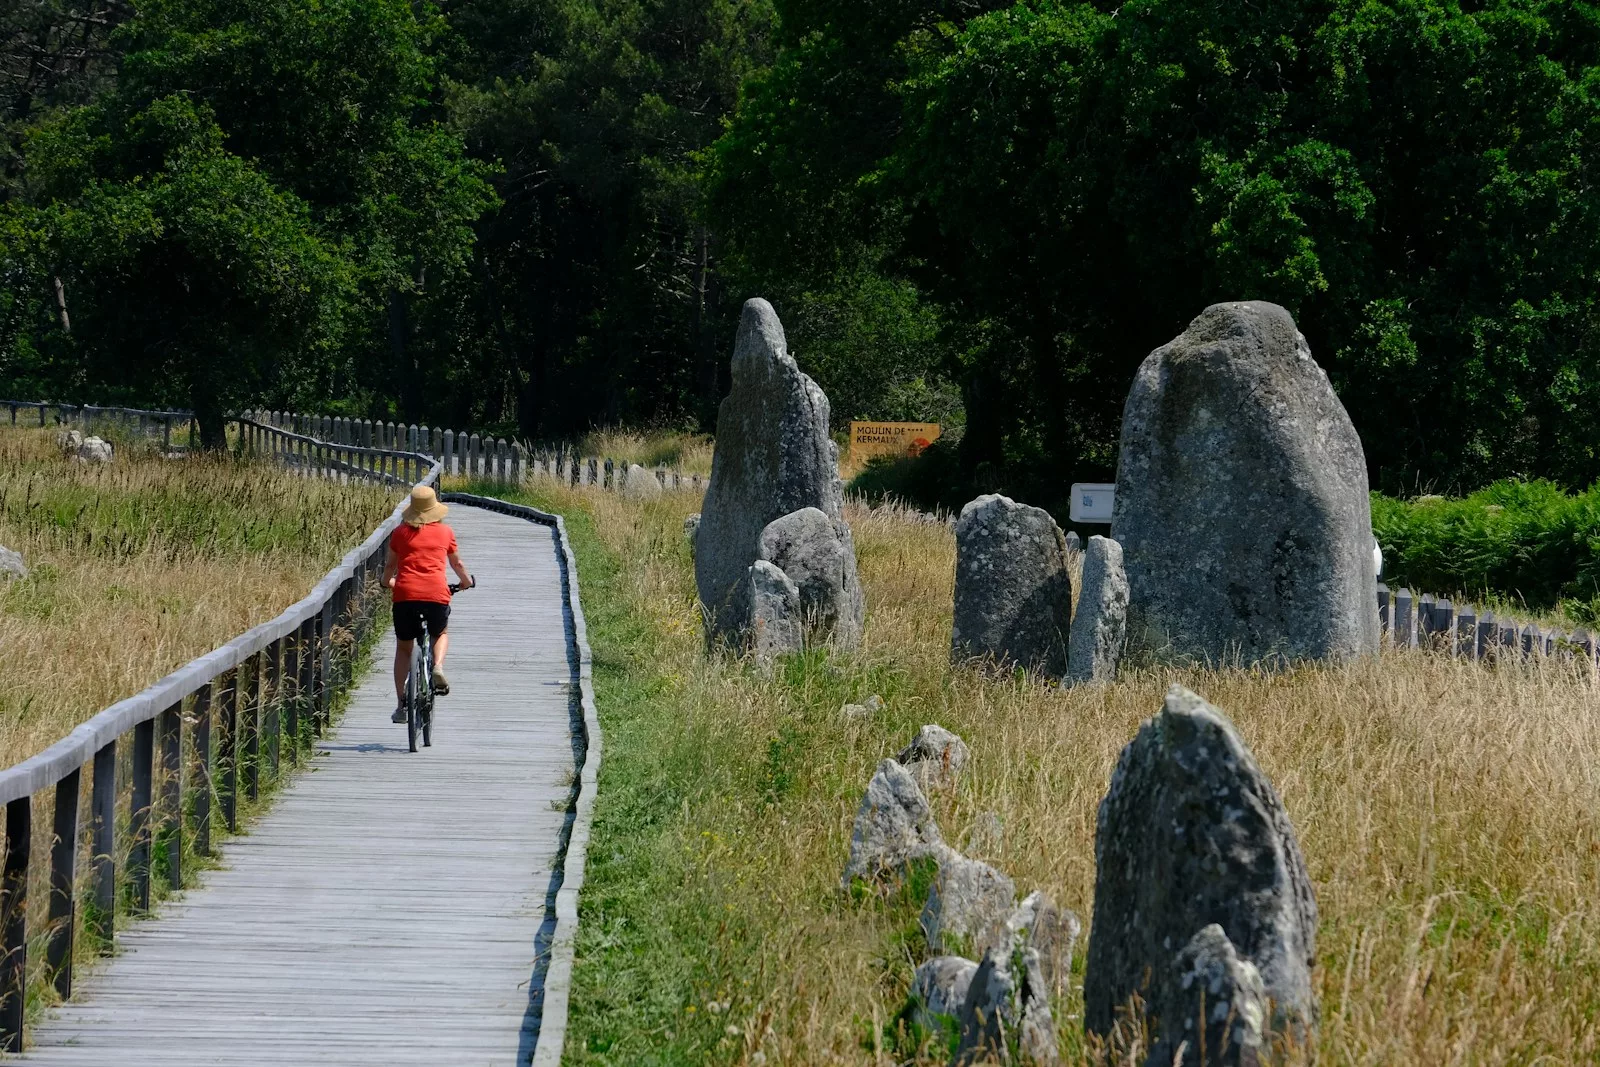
423	508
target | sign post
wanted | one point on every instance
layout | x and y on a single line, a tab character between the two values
1092	501
868	440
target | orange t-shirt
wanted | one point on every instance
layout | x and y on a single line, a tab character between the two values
421	552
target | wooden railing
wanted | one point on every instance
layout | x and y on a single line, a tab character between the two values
142	420
182	751
330	459
473	455
1411	621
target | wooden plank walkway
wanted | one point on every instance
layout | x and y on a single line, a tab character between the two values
390	909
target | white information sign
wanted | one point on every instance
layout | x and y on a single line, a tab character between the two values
1091	501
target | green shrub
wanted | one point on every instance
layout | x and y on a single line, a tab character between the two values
1522	540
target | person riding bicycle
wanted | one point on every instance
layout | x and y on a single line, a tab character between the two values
419	548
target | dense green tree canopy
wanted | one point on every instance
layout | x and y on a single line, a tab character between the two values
1070	183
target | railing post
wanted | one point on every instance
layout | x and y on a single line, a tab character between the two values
63	885
1466	630
272	702
308	666
202	766
228	749
449	451
474	443
172	792
144	737
291	690
103	844
324	665
250	717
14	915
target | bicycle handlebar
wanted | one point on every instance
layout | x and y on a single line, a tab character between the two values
456	587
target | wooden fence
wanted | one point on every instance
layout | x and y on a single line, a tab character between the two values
473	455
1426	621
141	420
163	765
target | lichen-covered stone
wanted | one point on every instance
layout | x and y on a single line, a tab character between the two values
1013	593
1100	624
773	457
935	757
1241	500
691	528
967	903
774	612
939	990
894	825
1192	833
641	484
1216	1002
819	556
11	564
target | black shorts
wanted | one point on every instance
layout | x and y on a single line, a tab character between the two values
409	616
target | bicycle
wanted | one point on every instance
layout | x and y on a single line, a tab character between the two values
419	684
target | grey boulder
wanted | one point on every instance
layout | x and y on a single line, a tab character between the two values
691	528
1241	501
1216	1002
1006	1017
775	622
939	990
1013	593
11	564
773	457
819	556
1191	834
936	757
1099	626
1049	930
94	450
641	484
966	903
69	441
894	826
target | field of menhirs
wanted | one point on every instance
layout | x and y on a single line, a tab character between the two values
1448	811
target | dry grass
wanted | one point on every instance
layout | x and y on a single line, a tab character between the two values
1449	813
687	452
139	566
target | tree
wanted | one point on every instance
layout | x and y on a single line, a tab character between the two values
264	184
1070	183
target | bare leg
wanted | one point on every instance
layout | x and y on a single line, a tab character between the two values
440	643
402	667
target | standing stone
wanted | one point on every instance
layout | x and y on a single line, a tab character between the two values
1241	500
819	555
1007	1016
935	757
641	483
1191	833
1099	628
773	457
939	990
1013	598
1221	1002
11	564
776	625
691	530
894	825
966	903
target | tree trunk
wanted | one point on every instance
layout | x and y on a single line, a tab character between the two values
212	420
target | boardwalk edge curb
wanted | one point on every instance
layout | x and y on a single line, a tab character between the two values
558	972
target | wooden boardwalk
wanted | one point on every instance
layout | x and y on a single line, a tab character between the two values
390	908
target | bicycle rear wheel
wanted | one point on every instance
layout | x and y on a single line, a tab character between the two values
425	697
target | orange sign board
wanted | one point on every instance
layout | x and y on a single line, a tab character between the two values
870	439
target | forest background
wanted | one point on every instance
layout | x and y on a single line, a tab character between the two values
541	216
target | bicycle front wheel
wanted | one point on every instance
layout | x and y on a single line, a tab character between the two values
413	702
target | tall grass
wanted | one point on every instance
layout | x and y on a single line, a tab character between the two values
140	565
687	452
1449	813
